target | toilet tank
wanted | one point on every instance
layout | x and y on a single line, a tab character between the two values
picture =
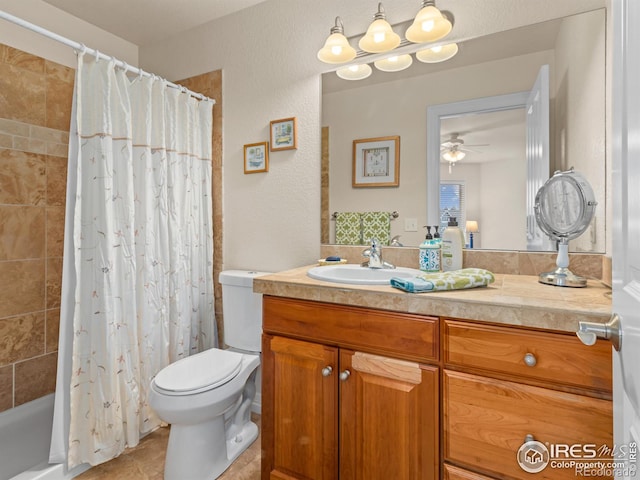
241	310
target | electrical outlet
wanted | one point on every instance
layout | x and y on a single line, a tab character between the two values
410	224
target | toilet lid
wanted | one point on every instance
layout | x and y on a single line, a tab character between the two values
200	372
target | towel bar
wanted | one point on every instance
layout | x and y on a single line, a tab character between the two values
392	215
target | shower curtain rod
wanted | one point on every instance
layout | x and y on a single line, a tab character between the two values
79	47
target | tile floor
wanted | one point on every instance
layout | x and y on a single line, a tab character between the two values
146	461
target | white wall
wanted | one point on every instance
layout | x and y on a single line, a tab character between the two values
57	21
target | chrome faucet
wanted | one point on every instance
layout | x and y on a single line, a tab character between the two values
374	254
395	241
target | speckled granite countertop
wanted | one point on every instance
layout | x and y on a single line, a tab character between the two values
512	299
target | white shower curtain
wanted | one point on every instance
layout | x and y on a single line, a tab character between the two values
138	274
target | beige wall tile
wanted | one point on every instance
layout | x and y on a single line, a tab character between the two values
35	378
56	180
52	330
54	282
6	141
57	149
21	59
6	388
496	262
22	287
49	134
23	96
12	127
60	72
35	108
55	231
32	145
22	178
21	337
22	232
59	96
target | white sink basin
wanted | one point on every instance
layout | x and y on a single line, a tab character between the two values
357	275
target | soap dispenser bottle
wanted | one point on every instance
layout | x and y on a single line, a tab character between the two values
452	242
429	254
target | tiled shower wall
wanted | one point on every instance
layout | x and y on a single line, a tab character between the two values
35	109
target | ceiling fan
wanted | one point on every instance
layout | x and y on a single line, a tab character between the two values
453	149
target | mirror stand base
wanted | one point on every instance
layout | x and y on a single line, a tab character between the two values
562	277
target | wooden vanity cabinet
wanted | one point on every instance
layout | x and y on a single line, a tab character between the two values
350	395
502	384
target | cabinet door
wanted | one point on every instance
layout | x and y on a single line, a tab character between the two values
300	410
388	418
486	422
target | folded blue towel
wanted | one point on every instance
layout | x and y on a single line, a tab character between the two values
455	280
412	285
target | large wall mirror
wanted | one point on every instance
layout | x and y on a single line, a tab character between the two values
494	169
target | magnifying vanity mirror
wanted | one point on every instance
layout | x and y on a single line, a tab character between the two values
494	173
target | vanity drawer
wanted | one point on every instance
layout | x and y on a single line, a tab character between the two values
405	336
455	473
531	355
486	421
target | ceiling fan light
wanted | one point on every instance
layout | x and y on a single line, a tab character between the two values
437	54
336	48
395	63
354	72
453	155
380	37
429	25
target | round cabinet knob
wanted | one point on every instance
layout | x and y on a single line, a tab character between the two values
326	371
345	375
530	360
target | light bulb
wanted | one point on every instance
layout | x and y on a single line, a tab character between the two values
380	37
429	25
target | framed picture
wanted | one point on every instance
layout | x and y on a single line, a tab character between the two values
256	157
283	134
376	162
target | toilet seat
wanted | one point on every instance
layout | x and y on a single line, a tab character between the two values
198	373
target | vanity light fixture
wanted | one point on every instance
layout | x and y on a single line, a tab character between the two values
437	54
380	37
429	25
394	63
354	72
337	48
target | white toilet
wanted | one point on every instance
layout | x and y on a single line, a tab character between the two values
207	397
